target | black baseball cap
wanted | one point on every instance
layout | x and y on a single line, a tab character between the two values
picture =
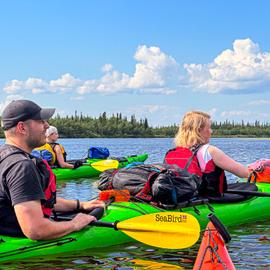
22	110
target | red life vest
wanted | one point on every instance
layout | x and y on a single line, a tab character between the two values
50	192
44	172
213	182
180	157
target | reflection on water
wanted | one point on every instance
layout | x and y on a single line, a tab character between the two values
250	245
250	248
119	257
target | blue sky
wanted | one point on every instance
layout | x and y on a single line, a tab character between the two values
154	59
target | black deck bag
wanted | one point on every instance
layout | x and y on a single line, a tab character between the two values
175	185
162	183
105	179
136	179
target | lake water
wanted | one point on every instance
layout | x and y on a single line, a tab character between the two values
246	248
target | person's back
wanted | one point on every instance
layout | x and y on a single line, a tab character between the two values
180	157
195	132
11	159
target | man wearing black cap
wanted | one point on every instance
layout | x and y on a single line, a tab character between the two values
27	185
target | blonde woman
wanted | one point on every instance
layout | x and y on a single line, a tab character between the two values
209	162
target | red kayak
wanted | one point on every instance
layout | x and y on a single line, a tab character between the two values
213	254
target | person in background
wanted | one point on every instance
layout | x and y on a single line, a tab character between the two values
27	184
57	150
209	162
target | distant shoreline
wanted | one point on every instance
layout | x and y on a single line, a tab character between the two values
119	126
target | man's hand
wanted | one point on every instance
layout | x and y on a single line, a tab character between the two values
90	205
81	220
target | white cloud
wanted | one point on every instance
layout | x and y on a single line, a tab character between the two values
259	102
249	115
155	73
65	83
14	86
213	112
149	109
77	98
226	114
107	68
244	67
155	69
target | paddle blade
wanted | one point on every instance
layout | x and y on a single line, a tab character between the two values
105	164
172	230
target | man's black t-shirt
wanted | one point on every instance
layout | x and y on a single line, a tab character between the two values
20	182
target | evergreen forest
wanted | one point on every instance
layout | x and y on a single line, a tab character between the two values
118	126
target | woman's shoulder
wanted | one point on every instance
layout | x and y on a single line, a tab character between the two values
203	148
56	146
215	152
207	151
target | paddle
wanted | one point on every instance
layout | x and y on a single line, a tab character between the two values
171	230
249	193
104	165
101	165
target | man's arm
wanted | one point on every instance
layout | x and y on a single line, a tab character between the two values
36	227
64	205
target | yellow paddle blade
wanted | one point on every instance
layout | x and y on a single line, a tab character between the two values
173	230
149	265
105	164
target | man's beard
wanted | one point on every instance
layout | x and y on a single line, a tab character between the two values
33	142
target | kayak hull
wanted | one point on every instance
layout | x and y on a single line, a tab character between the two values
213	254
233	214
87	171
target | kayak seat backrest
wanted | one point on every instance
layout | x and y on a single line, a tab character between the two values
228	197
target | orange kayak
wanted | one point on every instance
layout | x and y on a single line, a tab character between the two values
213	254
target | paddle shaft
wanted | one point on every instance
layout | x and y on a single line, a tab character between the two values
72	161
104	224
249	193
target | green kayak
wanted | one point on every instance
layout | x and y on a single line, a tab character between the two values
231	214
93	167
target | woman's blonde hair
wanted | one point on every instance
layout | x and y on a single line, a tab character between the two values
189	132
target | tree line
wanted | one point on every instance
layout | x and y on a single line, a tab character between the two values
118	126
